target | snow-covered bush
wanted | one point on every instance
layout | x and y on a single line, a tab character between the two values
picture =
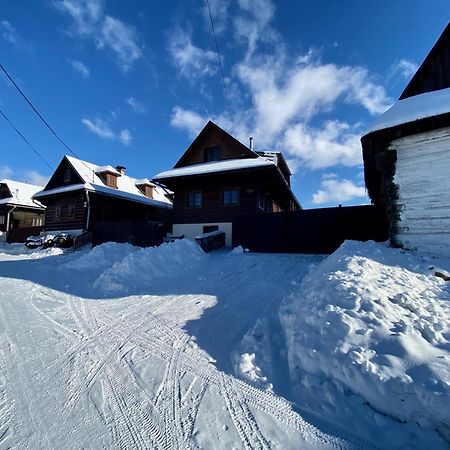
375	322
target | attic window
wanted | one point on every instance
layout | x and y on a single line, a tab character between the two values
67	175
110	180
212	154
146	189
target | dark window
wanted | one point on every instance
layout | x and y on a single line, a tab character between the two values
2	220
194	199
212	154
210	228
262	200
67	175
57	213
230	197
71	211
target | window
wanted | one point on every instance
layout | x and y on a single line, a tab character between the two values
71	211
262	200
230	197
194	199
57	213
212	154
110	180
67	175
2	220
37	222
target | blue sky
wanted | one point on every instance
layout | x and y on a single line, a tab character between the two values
133	82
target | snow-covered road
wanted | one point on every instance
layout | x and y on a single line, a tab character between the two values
140	352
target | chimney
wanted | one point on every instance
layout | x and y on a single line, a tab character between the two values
121	169
251	143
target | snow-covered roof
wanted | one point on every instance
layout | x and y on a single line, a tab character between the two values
108	168
413	108
141	181
126	185
22	194
216	166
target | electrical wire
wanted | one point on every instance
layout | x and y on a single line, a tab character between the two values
27	141
40	116
225	90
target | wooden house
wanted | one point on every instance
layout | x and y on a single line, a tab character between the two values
20	215
218	178
81	196
407	158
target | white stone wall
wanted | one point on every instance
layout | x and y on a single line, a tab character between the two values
423	177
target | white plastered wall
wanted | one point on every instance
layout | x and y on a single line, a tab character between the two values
191	230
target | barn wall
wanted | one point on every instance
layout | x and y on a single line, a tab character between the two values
422	177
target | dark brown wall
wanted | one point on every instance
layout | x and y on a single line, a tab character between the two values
57	179
62	201
20	217
213	136
434	73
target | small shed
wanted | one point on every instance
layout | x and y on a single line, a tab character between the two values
407	158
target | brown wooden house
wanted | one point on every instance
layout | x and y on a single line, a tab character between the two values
20	215
81	196
407	158
218	178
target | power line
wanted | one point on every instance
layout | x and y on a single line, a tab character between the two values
225	90
27	141
40	116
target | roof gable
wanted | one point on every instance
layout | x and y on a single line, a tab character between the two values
214	136
434	72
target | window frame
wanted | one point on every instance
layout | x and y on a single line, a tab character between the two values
57	213
216	157
231	189
71	211
186	200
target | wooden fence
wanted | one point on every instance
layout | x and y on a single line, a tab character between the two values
308	231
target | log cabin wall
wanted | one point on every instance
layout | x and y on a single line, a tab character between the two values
211	137
423	198
65	212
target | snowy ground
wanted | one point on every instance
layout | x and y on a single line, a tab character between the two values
123	347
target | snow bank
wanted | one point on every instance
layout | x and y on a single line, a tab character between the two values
102	256
375	322
141	267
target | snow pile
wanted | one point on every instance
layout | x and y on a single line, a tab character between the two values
44	253
372	324
102	256
141	267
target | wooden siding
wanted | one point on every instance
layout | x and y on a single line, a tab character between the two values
78	222
249	183
58	179
423	183
21	217
213	136
434	73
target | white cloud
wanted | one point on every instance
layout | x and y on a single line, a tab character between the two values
9	33
102	129
121	39
34	177
253	26
220	15
99	127
191	61
125	137
187	120
90	21
86	14
406	68
336	143
335	190
5	172
80	68
136	105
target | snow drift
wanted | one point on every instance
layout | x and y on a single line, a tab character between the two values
375	322
140	267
